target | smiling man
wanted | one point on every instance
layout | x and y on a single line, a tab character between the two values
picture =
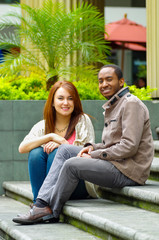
123	158
110	81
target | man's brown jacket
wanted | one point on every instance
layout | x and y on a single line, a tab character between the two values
127	139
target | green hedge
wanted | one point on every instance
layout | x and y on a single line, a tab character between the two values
33	87
23	88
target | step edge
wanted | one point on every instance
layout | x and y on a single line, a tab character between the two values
10	187
12	232
106	225
136	192
132	191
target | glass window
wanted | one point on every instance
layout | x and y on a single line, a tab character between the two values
125	3
139	67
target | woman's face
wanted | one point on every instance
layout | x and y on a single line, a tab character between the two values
63	102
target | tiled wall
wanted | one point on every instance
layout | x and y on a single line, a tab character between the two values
17	118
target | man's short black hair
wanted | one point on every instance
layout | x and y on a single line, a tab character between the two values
116	68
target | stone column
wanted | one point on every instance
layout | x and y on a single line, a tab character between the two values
68	3
152	7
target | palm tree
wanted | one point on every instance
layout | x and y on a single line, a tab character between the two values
54	35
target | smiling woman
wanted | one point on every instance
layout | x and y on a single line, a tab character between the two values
64	122
64	106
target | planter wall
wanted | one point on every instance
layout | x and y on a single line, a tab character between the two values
17	118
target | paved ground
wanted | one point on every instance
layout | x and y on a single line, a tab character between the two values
9	209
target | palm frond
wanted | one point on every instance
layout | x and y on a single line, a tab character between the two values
9	40
50	34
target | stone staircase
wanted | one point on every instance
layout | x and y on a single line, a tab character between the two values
130	213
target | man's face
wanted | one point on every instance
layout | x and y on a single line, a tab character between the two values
109	84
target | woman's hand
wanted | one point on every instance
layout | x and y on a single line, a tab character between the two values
50	146
86	151
58	139
52	141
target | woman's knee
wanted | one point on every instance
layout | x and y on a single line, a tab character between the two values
35	154
52	154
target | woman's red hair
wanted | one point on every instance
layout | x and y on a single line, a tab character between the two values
50	112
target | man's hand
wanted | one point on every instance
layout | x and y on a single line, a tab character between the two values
85	152
50	146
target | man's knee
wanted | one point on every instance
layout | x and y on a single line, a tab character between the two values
64	150
69	150
63	147
71	165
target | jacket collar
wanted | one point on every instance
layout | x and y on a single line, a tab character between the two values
117	96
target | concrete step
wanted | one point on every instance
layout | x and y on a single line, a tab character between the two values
112	220
19	190
103	218
11	231
146	197
154	174
157	131
156	145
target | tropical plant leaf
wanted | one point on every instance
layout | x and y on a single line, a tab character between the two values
54	40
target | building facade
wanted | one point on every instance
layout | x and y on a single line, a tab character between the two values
150	16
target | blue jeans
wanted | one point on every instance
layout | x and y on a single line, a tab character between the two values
39	163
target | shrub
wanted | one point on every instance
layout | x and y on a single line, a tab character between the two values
33	88
91	91
88	91
142	93
23	88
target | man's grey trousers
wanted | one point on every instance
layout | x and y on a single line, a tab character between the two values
66	171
